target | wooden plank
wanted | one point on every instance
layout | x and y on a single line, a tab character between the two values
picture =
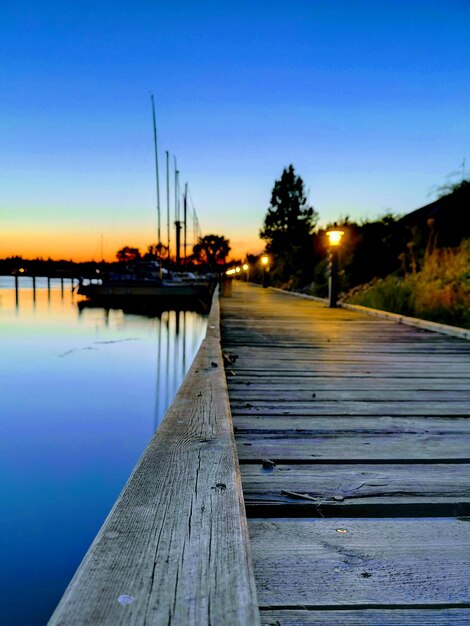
306	395
346	485
334	425
385	562
237	384
291	356
323	328
390	345
174	549
351	408
389	341
367	617
264	376
340	370
349	447
236	338
348	367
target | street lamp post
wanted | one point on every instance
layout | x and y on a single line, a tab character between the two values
264	263
334	240
246	270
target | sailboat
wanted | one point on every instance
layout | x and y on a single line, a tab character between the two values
148	283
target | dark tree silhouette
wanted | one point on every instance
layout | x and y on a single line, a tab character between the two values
288	228
156	251
211	250
128	254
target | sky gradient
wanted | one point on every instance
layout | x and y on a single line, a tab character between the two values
369	101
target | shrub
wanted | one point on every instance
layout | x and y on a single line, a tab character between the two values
440	291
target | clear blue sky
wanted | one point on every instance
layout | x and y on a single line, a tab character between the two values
368	100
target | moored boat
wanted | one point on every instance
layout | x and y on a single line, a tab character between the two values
142	281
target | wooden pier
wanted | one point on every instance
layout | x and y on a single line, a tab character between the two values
352	465
353	437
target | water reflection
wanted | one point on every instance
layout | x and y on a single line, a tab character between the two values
82	390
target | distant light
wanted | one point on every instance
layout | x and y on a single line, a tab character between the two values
245	267
334	237
97	271
230	272
264	260
237	269
21	270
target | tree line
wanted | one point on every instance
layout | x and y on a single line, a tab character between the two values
209	254
370	249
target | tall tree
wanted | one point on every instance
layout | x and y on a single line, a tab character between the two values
288	229
211	250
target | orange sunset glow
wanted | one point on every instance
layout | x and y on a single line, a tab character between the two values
83	245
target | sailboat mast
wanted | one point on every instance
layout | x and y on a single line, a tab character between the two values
157	179
177	217
185	205
176	189
168	202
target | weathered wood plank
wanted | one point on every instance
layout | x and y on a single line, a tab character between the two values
326	563
174	549
249	348
290	355
329	383
389	341
353	407
367	617
348	447
341	368
306	395
263	376
346	485
337	424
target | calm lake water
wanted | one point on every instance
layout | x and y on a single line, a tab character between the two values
82	391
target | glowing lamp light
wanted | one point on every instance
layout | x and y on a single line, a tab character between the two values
21	270
230	272
264	260
237	269
334	237
245	267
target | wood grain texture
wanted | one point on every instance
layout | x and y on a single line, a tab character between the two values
369	617
361	446
344	485
239	397
330	384
343	438
336	424
175	545
368	562
353	407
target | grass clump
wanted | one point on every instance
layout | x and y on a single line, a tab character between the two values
438	291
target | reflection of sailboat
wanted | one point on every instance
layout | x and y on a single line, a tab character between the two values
147	283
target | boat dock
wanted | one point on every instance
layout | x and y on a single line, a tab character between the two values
349	452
